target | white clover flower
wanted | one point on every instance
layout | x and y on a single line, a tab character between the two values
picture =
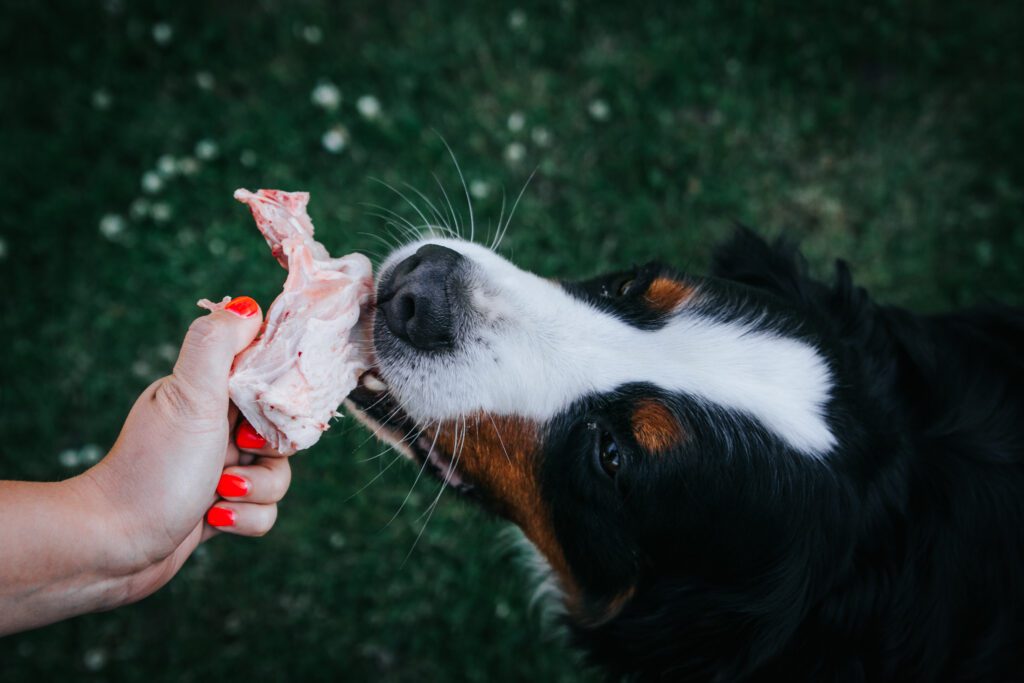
166	165
186	237
502	610
205	80
326	95
369	107
101	99
515	152
162	33
479	189
984	252
541	136
68	458
142	369
167	351
3	248
90	454
335	140
233	624
111	226
248	158
206	149
139	208
516	121
161	212
152	182
599	110
312	34
94	659
217	246
517	19
188	166
337	539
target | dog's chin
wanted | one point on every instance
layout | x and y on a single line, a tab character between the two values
373	404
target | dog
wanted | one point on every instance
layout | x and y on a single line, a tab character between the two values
748	476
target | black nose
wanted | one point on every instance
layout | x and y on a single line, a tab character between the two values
418	297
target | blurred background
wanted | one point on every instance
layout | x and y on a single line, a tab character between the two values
887	133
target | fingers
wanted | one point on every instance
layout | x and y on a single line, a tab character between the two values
212	342
250	495
249	440
265	481
242	519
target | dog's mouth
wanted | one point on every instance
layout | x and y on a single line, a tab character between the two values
373	403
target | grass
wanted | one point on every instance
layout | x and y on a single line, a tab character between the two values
886	133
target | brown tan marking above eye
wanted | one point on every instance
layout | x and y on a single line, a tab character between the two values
665	294
499	455
655	428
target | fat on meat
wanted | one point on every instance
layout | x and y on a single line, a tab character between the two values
310	353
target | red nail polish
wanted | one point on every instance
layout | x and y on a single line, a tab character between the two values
220	517
232	486
244	306
247	437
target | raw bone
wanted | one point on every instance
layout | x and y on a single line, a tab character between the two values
309	355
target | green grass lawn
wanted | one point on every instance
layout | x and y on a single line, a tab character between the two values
886	133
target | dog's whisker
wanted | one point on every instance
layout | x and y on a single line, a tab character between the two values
444	485
465	189
415	207
376	432
500	440
493	244
433	209
458	442
377	476
386	243
423	467
403	439
512	212
399	456
408	232
451	208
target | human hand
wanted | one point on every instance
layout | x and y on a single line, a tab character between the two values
175	454
123	528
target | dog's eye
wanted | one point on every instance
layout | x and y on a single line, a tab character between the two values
608	454
626	286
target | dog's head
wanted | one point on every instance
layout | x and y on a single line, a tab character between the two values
643	428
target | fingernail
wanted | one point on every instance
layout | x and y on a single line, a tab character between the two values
247	437
220	517
243	306
232	486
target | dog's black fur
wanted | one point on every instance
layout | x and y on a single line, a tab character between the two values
899	558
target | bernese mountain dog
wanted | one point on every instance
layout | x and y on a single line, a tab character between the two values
749	476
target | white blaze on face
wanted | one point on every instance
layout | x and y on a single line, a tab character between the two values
535	349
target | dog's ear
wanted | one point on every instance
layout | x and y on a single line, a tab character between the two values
750	260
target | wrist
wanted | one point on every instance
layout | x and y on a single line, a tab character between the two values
62	566
108	556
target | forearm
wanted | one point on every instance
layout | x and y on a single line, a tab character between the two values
53	558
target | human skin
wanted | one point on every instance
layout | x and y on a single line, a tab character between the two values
183	469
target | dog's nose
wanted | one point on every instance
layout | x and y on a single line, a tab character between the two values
419	295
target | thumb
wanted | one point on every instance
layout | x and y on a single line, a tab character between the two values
213	341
